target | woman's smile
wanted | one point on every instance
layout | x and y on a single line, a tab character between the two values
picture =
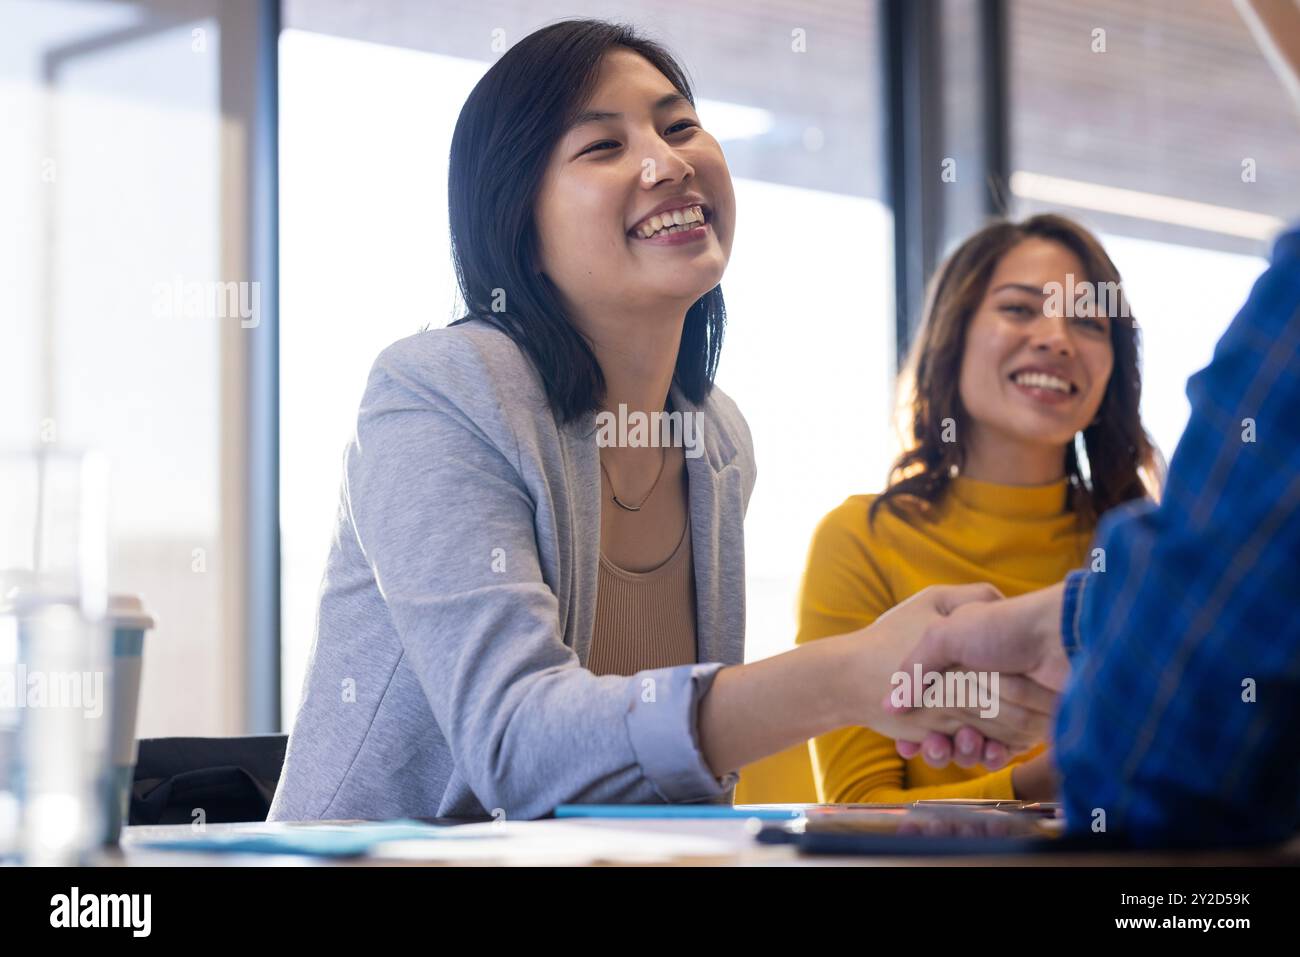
1044	385
676	235
673	223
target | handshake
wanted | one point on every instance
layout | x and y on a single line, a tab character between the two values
951	640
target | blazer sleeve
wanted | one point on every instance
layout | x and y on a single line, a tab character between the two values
446	525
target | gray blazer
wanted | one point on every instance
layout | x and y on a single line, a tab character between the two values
456	613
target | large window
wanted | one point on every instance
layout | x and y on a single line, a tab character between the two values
1161	126
113	235
792	89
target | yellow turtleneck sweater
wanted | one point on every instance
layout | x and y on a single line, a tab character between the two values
1019	538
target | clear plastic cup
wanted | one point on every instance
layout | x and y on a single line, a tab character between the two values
55	656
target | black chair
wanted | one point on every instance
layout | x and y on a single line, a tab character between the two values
229	779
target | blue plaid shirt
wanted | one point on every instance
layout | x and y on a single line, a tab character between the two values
1181	723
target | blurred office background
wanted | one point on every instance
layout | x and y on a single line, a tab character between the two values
302	146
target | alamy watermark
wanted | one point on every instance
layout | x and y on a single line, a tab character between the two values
179	299
1085	299
129	911
946	689
21	688
677	429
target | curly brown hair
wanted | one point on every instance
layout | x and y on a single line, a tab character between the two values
1122	463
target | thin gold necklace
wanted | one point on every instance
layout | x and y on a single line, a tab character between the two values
663	457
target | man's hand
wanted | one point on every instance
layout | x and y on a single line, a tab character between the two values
870	658
1017	636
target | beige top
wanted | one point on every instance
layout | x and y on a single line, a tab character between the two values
645	619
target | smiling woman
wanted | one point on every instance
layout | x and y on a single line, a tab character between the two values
1024	431
517	615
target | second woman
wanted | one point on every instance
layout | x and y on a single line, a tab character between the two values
1024	429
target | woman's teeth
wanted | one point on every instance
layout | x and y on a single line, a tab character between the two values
674	221
1041	380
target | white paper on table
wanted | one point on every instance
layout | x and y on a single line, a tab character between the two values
555	842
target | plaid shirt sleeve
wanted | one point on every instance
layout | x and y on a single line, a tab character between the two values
1181	723
1070	604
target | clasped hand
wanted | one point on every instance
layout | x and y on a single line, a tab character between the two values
1013	645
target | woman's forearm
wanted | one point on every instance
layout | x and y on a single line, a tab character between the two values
757	709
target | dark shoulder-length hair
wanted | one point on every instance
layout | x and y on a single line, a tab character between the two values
507	129
1122	463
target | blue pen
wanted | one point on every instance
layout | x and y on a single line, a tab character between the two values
680	811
